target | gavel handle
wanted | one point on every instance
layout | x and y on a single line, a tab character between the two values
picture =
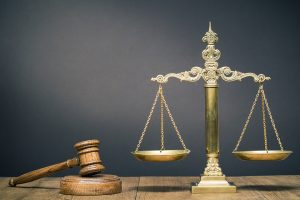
46	171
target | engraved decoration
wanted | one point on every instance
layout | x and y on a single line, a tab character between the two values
212	167
210	73
191	76
228	75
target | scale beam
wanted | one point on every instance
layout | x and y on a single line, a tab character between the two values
196	73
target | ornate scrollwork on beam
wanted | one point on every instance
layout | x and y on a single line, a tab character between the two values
210	73
196	73
228	75
191	76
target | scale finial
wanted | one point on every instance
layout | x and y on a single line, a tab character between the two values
210	36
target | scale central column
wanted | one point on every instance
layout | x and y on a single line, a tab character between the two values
211	122
212	180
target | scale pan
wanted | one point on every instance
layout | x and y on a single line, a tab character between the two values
161	156
262	155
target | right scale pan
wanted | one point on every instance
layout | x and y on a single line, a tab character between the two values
262	155
266	154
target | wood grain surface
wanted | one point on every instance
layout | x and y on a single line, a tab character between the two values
173	188
99	184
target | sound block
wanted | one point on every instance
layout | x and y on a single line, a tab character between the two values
98	184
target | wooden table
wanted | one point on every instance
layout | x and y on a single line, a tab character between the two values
173	188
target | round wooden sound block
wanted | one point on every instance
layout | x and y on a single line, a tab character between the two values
99	184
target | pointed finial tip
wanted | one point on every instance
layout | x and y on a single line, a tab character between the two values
209	27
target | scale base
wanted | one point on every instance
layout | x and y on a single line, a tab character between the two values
213	184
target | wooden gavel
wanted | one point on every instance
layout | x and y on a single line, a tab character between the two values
88	159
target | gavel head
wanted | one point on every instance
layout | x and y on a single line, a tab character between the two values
89	158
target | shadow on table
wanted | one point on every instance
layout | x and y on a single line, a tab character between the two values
40	187
163	188
267	187
41	184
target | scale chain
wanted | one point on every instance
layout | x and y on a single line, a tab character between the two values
248	119
162	137
148	120
272	120
163	104
264	120
264	103
173	123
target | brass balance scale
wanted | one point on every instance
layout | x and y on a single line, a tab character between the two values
213	179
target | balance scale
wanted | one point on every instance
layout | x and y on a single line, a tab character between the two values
213	179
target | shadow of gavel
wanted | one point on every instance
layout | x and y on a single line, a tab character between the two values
88	159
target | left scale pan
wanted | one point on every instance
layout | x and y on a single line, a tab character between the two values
162	155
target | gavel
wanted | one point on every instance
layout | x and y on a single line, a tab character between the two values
88	159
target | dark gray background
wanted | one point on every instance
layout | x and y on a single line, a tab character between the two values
76	70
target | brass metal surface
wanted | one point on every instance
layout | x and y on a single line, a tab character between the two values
213	184
211	73
262	155
211	120
161	155
212	132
